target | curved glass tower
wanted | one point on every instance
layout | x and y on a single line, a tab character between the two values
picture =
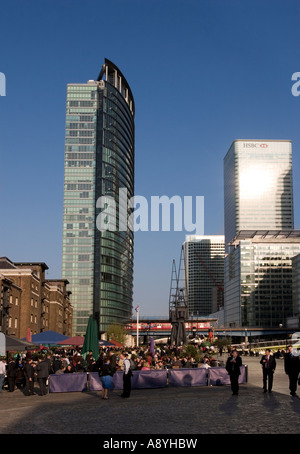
99	165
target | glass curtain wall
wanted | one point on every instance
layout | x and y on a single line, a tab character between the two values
99	162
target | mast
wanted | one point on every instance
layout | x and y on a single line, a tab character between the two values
178	302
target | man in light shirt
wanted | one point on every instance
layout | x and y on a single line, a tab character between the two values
127	374
2	374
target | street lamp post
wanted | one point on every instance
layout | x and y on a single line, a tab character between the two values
148	331
246	337
137	325
280	326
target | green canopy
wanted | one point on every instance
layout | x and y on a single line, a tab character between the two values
91	341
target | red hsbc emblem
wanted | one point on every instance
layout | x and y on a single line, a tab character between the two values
264	145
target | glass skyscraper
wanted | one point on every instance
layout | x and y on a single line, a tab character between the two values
258	186
259	233
204	273
99	161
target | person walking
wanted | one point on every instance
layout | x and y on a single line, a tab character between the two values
12	370
29	377
233	364
42	369
2	373
106	374
268	363
292	369
127	374
113	361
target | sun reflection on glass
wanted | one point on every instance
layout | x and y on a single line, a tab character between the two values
255	182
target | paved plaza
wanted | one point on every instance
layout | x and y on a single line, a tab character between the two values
172	411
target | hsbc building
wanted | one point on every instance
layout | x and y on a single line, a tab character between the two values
258	186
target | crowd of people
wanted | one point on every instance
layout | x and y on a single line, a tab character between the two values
24	370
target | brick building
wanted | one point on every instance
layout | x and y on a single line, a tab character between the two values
29	300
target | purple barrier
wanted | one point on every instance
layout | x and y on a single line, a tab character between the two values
149	379
140	379
77	382
220	376
95	382
117	381
61	383
188	377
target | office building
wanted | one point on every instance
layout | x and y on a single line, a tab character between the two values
296	290
258	289
99	160
204	273
258	186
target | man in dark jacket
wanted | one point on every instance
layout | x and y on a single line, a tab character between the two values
233	364
12	370
292	369
56	364
48	360
29	377
186	363
42	369
90	361
268	363
113	361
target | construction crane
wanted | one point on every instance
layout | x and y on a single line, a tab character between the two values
219	286
178	303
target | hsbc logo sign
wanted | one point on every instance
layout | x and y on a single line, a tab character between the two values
255	145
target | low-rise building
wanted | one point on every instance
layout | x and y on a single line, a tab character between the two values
258	289
29	300
294	321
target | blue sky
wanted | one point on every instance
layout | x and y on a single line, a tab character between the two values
203	73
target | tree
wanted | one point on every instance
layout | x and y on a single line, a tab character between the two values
191	350
222	342
117	333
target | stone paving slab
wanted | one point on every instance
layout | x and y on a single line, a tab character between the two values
184	410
